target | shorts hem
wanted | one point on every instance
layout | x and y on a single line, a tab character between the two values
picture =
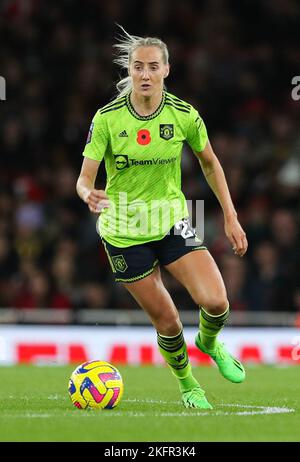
200	247
141	276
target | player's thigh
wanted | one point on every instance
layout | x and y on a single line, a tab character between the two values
151	294
198	272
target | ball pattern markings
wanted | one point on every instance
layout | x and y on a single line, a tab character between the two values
107	377
96	384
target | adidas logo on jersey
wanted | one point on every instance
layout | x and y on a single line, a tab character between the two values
123	133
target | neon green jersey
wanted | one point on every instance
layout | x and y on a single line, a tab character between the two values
142	157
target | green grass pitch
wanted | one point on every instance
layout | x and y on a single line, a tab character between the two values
35	406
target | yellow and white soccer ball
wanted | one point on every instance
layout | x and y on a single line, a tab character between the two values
97	385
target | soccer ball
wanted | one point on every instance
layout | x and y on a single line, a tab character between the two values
97	385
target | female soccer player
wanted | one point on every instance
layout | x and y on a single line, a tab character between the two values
143	221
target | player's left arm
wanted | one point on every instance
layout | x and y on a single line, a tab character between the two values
215	177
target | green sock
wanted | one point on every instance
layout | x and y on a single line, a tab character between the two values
210	326
174	351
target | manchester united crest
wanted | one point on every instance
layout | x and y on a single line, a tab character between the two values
119	263
166	131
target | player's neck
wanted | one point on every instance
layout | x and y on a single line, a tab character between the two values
145	105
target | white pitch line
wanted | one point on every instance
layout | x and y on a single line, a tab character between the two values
150	401
250	406
263	410
107	414
256	410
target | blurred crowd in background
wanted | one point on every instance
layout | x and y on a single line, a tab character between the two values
234	61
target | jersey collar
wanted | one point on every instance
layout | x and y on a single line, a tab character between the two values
148	117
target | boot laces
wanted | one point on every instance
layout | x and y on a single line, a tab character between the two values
220	352
196	393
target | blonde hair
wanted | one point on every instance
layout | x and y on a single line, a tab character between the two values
124	50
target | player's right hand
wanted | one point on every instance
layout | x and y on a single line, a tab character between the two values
97	200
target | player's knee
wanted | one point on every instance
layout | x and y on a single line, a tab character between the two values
216	305
170	325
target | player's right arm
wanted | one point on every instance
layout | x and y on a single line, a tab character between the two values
96	199
94	151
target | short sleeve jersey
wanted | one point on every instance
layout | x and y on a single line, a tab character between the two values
142	156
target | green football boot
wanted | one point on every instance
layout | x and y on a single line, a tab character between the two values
195	398
228	366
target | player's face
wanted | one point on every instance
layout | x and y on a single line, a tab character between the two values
148	71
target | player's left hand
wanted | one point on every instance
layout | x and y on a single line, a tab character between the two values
236	236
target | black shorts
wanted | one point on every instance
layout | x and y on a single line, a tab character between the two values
129	264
